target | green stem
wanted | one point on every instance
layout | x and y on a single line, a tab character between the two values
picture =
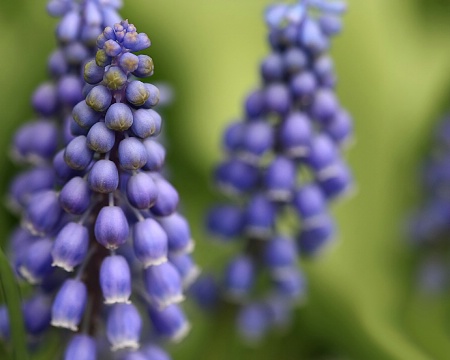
13	301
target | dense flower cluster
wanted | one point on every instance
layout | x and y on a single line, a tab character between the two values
94	200
283	166
429	226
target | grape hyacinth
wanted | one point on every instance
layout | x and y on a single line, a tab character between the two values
429	225
94	203
283	167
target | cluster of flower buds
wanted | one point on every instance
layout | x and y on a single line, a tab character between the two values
284	166
429	226
95	200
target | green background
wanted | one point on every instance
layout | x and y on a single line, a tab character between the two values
393	63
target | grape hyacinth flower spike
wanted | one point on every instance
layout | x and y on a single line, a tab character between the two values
283	167
104	211
34	247
429	225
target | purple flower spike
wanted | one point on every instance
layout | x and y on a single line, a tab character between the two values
309	201
259	217
111	227
97	172
137	93
43	212
37	314
123	327
253	322
186	267
77	154
4	323
146	123
156	154
150	242
141	191
69	27
28	183
100	139
145	66
81	347
283	165
99	98
119	117
132	154
165	95
70	246
170	322
45	99
75	196
239	277
68	306
280	179
167	200
163	284
103	177
70	90
155	353
178	233
36	142
280	253
84	115
115	280
36	263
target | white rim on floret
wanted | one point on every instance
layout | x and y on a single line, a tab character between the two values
63	265
124	344
191	276
181	333
28	275
189	248
118	299
298	151
64	323
170	300
280	195
154	262
314	222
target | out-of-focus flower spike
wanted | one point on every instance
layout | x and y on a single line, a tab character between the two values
170	322
155	352
337	7
186	267
284	157
4	323
58	8
70	246
28	183
253	322
239	277
225	222
275	14
69	27
44	99
81	347
37	314
43	212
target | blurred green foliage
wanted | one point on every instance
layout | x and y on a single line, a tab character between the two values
393	63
